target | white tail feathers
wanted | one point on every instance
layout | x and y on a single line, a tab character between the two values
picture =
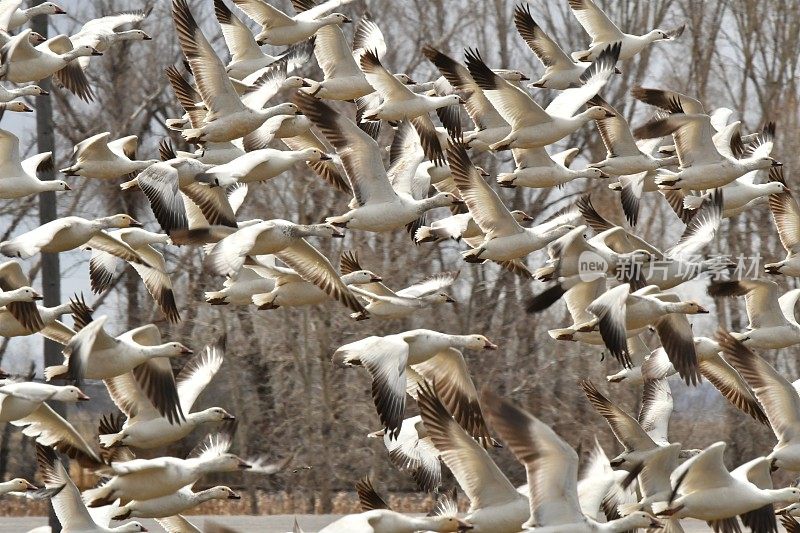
192	134
52	372
692	202
263	299
624	509
109	440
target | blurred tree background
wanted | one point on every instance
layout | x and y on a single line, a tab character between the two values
277	377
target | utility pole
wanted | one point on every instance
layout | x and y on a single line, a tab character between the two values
51	269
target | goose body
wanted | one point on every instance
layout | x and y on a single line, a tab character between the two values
101	33
278	29
457	227
535	168
239	290
21	16
99	158
175	503
388	521
8	94
385	303
17	177
50	327
259	165
145	427
291	290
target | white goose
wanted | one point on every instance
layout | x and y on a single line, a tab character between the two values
21	16
228	117
532	126
786	215
145	427
20	319
103	267
173	504
417	355
505	240
101	33
145	479
18	297
772	322
379	206
291	290
460	226
413	452
552	469
495	505
99	158
7	94
69	233
16	485
240	289
67	503
17	177
53	57
777	396
537	169
94	354
23	405
560	72
704	164
604	32
278	29
343	79
708	491
259	166
246	55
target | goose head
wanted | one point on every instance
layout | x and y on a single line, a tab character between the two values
476	342
640	519
228	462
758	163
597	112
448	523
133	35
521	216
444	199
82	51
335	18
45	8
314	154
36	38
21	485
361	277
70	393
33	90
24	294
511	75
287	108
451	99
220	492
705	347
439	298
293	82
773	187
18	107
213	414
170	349
592	172
321	230
56	185
131	527
787	494
119	221
691	308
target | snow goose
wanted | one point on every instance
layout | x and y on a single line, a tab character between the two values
505	240
228	117
324	167
94	354
16	107
604	32
17	296
536	168
386	303
379	207
786	215
145	479
413	452
704	164
495	505
101	33
286	240
53	57
145	427
16	485
21	16
67	503
343	79
240	289
378	517
777	396
291	290
246	55
23	404
7	94
623	155
173	504
27	324
712	367
99	158
532	126
69	233
552	469
561	72
278	29
17	177
394	360
460	226
706	490
638	437
259	166
772	323
619	310
103	267
490	127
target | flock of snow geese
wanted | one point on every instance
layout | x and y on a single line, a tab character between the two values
708	171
